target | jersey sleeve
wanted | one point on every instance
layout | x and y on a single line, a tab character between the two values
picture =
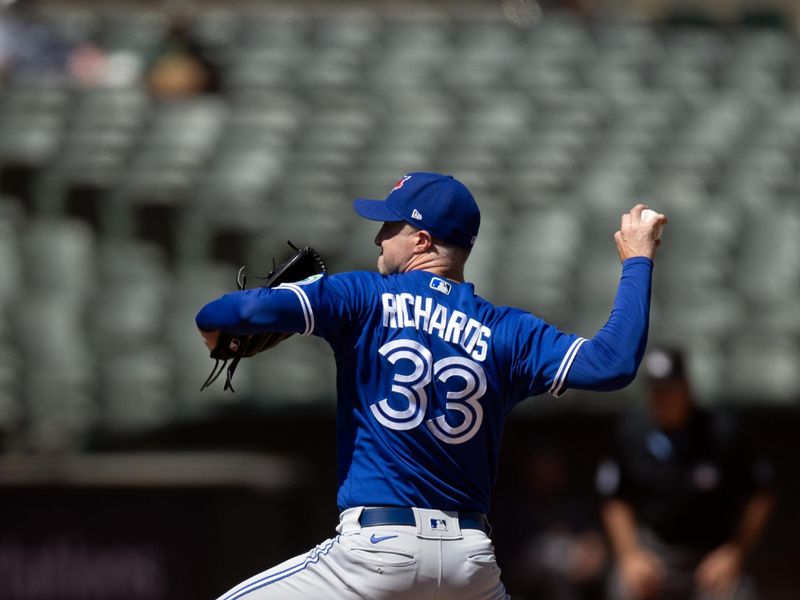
320	305
332	303
544	356
556	361
254	311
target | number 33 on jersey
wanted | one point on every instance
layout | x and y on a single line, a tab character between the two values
413	386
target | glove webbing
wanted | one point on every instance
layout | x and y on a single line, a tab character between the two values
215	373
241	281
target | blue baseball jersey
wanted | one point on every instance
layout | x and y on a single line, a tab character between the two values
427	372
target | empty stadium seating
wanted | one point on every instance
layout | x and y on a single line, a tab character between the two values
123	214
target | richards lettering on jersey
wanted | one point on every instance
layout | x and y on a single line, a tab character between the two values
407	310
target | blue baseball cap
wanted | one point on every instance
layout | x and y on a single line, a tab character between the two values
439	204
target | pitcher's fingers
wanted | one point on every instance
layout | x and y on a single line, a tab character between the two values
636	212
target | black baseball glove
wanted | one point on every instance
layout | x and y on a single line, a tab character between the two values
304	263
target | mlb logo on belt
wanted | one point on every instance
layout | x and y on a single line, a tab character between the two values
439	524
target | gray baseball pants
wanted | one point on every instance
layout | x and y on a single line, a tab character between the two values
386	562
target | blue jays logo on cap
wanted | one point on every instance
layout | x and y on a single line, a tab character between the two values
439	204
400	183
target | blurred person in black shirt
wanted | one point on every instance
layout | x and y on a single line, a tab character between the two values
685	498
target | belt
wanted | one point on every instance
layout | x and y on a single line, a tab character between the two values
374	516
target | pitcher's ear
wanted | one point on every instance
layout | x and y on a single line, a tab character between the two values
424	242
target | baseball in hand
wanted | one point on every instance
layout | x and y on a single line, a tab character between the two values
647	215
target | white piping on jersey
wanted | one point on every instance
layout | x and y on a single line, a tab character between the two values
308	314
561	375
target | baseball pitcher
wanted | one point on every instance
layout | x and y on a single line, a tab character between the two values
427	373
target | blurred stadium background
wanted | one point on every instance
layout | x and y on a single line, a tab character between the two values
147	149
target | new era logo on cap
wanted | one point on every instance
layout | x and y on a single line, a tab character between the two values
439	204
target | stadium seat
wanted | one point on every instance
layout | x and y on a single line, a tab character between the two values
300	373
137	390
763	368
59	259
